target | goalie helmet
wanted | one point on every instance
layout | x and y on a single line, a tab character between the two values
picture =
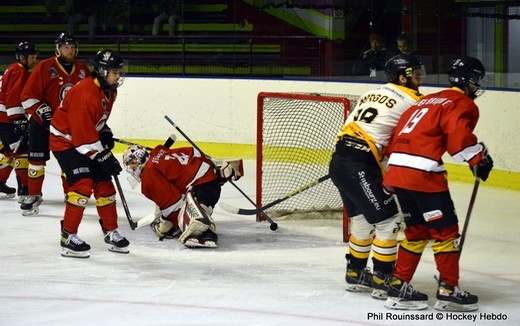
104	62
134	159
25	48
466	71
401	64
64	39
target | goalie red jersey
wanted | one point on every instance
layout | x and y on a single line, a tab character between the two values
439	123
170	173
15	76
49	82
78	127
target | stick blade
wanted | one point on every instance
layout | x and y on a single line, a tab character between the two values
239	211
147	220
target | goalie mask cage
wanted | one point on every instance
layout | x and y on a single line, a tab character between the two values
295	140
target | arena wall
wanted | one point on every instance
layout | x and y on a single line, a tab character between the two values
220	116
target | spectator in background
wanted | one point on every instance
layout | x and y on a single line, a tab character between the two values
116	17
51	8
77	11
404	46
168	12
373	59
141	13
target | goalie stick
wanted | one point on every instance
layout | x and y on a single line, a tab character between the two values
273	225
129	143
244	211
18	145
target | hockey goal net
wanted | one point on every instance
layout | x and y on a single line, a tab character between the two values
295	141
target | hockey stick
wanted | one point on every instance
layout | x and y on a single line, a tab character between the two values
126	142
273	225
15	151
133	225
468	214
243	211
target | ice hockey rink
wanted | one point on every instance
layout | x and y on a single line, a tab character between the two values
291	276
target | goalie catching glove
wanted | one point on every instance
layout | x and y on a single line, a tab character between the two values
229	169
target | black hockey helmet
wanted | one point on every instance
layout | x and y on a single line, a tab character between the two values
25	48
401	64
104	61
65	38
466	70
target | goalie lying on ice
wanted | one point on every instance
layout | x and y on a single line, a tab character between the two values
185	186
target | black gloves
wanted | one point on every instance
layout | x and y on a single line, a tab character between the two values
482	169
108	162
106	137
20	125
44	112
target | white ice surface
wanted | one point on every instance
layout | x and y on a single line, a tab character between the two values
292	276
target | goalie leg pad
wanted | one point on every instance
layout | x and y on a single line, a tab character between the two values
197	224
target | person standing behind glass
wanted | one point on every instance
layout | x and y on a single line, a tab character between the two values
168	11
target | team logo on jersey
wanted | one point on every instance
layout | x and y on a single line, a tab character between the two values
82	74
53	72
64	90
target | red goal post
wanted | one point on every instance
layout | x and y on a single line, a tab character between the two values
295	141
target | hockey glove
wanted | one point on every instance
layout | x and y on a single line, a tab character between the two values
482	169
20	125
44	112
231	170
106	137
108	162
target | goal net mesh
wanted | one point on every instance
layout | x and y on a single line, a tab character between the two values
295	141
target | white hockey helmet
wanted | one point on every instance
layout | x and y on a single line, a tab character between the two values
134	159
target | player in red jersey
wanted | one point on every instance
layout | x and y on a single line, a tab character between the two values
185	186
438	123
77	143
41	96
13	122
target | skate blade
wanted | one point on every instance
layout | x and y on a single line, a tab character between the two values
454	307
379	294
118	250
358	288
75	254
6	196
400	304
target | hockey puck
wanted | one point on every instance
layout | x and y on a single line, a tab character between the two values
273	226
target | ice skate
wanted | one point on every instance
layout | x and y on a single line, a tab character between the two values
379	287
23	191
208	239
6	191
30	205
73	246
402	296
452	298
116	242
358	280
